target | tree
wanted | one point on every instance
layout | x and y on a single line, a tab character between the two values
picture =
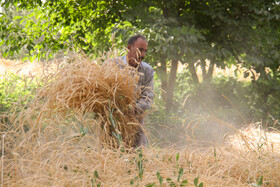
190	32
195	31
61	25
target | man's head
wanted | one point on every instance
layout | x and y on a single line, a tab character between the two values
137	46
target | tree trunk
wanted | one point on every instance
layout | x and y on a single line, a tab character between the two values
168	84
207	75
171	85
163	78
193	72
210	71
203	68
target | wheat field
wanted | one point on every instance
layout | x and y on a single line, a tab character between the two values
64	137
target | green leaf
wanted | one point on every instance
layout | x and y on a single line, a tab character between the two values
29	47
215	153
17	17
196	181
127	23
5	54
260	181
111	119
96	174
32	58
158	174
25	58
180	175
177	157
151	185
159	178
184	183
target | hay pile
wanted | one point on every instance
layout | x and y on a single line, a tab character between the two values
105	87
89	86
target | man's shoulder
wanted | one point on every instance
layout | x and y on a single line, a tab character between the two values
147	67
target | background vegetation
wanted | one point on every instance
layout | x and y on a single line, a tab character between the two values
198	34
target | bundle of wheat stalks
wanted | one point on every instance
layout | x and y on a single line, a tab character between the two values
104	87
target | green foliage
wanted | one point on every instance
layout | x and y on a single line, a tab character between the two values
151	185
255	101
181	30
259	182
180	172
160	179
115	132
196	183
94	180
237	102
140	166
15	89
139	162
53	27
13	39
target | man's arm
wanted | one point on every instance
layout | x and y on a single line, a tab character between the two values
147	93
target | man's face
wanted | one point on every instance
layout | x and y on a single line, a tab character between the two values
137	52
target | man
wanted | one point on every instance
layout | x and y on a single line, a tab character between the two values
137	47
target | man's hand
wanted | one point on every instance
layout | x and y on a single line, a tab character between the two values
130	111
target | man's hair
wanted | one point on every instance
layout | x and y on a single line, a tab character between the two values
134	38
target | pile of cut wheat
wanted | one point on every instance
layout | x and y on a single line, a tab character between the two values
104	88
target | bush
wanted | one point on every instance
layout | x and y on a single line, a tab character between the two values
15	89
237	103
